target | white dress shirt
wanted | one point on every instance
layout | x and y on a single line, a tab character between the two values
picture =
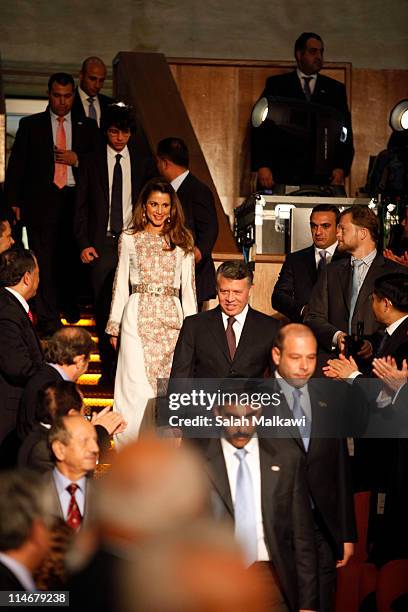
253	462
238	323
84	99
126	183
61	483
329	253
312	82
175	183
287	390
68	139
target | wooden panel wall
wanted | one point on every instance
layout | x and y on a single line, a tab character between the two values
219	96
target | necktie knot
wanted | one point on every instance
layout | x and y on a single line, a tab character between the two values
118	158
91	100
60	120
297	394
231	321
72	488
357	263
241	453
323	254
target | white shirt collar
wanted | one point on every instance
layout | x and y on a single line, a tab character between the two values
240	318
22	574
330	249
368	259
175	183
19	297
84	96
60	371
302	75
124	152
62	482
391	328
230	450
54	117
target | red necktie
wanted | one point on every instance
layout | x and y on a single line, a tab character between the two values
30	316
61	170
231	340
74	517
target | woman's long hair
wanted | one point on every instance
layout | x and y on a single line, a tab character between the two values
174	231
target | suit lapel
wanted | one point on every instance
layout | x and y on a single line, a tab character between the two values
270	473
309	265
218	473
344	278
103	173
400	336
247	334
286	413
216	328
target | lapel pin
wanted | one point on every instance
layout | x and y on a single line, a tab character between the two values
275	468
322	404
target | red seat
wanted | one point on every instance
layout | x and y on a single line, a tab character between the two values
392	582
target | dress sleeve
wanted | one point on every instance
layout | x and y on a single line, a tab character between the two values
120	293
188	289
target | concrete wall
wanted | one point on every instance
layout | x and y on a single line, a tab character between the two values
368	33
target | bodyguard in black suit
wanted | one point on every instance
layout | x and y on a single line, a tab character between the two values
280	158
230	341
327	469
198	207
40	185
104	207
300	270
88	101
286	551
20	350
335	306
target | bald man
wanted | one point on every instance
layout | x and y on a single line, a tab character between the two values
328	474
88	101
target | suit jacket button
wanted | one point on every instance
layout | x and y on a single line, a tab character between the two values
232	372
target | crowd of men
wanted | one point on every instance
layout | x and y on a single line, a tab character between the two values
285	502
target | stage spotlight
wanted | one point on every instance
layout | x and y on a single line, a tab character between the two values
260	112
399	116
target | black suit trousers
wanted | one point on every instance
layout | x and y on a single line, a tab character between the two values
102	272
53	243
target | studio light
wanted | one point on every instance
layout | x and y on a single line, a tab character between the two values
399	116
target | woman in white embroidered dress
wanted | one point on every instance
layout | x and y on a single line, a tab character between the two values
156	267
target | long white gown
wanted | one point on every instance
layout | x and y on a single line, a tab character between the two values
148	323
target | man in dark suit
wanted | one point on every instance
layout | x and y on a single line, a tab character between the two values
110	181
275	530
199	211
300	270
24	529
279	158
40	186
327	470
341	297
230	341
73	441
20	351
88	101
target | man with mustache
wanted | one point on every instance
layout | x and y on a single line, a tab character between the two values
260	485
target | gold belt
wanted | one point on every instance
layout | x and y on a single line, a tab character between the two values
155	289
